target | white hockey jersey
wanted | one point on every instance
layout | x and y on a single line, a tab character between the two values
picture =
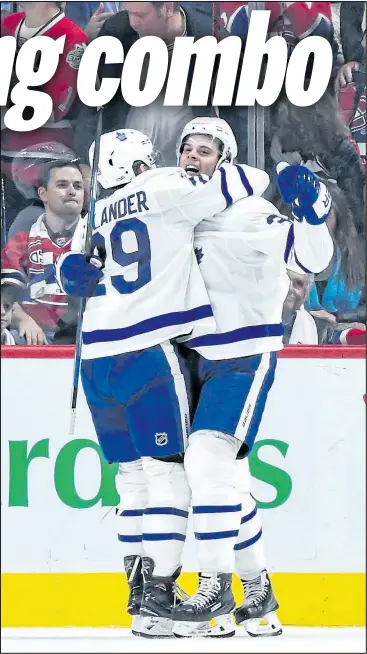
244	254
152	289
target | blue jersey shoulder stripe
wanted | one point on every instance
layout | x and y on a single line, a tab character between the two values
224	186
244	180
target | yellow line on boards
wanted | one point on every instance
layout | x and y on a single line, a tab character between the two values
99	599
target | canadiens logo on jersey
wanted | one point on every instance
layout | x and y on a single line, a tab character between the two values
35	256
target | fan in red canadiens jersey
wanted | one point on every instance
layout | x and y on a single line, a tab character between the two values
42	19
28	257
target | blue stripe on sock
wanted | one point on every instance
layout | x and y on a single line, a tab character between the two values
250	541
131	513
214	535
217	509
166	510
130	539
162	536
249	516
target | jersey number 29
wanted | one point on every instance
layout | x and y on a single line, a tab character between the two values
141	255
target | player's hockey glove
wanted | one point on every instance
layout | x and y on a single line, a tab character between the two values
78	274
309	198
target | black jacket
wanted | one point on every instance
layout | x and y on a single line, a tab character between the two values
199	24
351	30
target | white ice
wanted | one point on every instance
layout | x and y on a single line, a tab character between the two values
294	639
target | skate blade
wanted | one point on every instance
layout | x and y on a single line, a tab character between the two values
220	627
150	627
269	625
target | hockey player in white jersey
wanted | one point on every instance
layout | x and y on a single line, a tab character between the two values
243	254
145	288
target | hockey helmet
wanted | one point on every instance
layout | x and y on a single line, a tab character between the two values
118	152
217	128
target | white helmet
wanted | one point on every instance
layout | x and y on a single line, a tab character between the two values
118	152
217	128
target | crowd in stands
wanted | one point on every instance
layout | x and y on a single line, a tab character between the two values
45	174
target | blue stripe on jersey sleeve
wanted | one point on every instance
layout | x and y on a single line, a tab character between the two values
306	270
192	180
227	196
289	244
244	180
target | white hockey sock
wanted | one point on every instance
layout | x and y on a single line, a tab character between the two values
249	548
210	463
165	518
132	487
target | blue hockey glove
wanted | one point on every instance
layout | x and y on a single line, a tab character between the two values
78	275
309	198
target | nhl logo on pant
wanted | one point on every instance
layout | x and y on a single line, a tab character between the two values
161	438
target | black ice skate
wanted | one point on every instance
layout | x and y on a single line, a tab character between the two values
213	598
133	568
259	607
159	592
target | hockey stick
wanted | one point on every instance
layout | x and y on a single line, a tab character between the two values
87	251
216	28
3	213
256	118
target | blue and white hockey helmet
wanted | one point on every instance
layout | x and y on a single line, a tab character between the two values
119	150
216	128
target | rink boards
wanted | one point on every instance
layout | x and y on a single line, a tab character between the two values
61	563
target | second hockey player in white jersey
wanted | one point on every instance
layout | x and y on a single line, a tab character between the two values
243	254
144	288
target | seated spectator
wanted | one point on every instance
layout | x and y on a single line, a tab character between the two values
7	307
162	124
46	19
304	328
27	182
90	16
339	290
28	258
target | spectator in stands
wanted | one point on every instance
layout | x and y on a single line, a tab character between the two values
90	16
291	20
350	84
7	307
338	292
28	258
47	19
318	137
353	39
304	328
26	217
162	124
